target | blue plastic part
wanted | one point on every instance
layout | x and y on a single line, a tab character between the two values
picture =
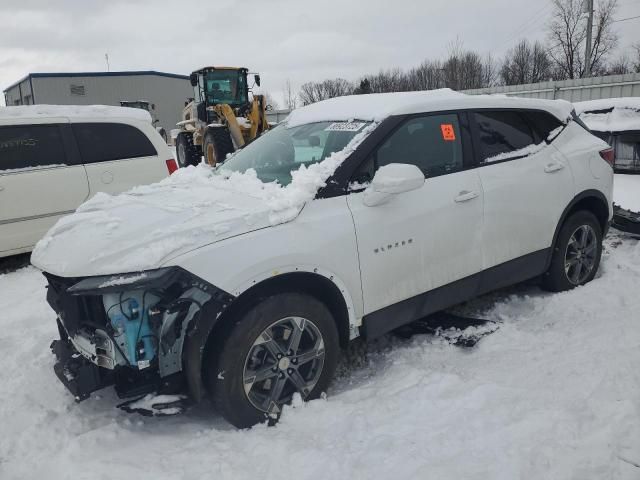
128	319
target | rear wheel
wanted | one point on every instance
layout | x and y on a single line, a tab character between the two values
286	344
577	253
186	152
217	144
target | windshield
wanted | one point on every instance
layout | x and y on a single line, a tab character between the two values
225	86
282	150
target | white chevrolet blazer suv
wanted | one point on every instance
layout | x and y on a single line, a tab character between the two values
353	217
53	158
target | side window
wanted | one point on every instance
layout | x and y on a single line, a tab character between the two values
543	123
101	142
432	143
502	135
31	146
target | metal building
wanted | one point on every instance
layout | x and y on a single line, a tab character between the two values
166	91
578	90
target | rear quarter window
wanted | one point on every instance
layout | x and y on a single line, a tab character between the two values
502	133
102	142
31	146
543	123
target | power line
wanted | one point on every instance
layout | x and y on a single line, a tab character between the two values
625	19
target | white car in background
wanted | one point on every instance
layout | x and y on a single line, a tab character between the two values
616	121
53	158
353	217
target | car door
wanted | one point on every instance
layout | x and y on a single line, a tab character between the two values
38	183
425	238
117	156
527	185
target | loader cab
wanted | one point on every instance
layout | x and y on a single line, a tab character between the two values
220	85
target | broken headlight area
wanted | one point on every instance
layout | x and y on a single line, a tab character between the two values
127	330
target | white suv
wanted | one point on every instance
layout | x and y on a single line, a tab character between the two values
355	216
53	158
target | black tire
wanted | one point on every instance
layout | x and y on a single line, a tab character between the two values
186	151
563	271
226	375
217	144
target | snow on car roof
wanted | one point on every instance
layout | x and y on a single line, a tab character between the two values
73	111
378	106
610	114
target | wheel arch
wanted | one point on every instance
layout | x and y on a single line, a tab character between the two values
213	329
593	201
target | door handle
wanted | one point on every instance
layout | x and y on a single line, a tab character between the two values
553	167
465	196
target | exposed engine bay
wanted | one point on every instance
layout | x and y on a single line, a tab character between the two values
131	331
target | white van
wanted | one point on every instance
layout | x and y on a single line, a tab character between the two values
53	158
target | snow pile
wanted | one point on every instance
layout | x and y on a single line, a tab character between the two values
553	394
626	191
97	112
521	152
610	114
378	106
196	206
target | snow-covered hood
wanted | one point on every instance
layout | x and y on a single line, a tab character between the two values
145	227
148	226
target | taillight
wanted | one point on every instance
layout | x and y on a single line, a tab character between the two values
172	166
608	155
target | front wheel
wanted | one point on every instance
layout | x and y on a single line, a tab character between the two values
284	345
216	145
577	253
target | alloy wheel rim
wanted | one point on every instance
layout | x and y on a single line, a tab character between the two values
287	357
580	256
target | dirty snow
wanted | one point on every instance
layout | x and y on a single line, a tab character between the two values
195	206
73	111
553	393
625	115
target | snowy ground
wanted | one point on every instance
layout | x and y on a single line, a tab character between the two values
554	394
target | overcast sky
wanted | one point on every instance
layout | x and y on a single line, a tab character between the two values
298	40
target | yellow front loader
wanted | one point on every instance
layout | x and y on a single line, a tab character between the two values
220	118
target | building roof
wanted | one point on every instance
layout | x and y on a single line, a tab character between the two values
97	74
378	106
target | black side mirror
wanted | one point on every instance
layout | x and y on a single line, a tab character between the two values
257	79
193	78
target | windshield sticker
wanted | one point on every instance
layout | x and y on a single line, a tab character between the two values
448	133
345	127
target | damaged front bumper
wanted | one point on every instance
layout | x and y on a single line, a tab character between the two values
133	331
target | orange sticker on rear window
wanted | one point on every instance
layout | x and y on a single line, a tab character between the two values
448	133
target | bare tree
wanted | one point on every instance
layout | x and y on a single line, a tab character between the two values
568	32
636	62
271	102
289	97
466	69
526	63
312	92
619	66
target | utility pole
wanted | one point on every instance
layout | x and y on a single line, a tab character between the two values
587	51
106	57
